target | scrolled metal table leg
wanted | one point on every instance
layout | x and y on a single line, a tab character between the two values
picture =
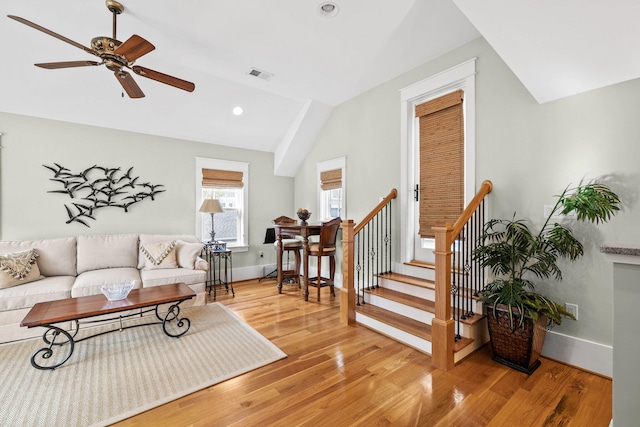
46	353
183	324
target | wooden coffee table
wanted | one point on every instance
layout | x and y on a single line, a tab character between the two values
45	314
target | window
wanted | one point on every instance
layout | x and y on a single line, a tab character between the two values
226	181
331	189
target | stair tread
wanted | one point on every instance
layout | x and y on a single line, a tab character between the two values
417	302
462	343
472	320
421	264
406	299
430	266
399	321
410	280
406	324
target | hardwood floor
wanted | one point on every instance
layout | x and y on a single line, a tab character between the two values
336	375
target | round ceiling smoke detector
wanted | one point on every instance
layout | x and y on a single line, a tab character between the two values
328	10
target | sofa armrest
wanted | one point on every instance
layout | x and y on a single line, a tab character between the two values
201	264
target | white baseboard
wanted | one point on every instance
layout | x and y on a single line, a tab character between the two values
579	352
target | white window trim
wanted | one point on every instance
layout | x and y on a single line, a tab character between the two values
327	165
461	76
207	163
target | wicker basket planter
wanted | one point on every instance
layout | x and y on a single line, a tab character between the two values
520	348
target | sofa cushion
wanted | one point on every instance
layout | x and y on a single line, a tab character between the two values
187	254
27	295
173	275
56	257
107	251
89	282
155	238
159	255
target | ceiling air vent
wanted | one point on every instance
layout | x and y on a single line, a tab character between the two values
260	74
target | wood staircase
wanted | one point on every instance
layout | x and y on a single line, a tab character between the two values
403	306
430	306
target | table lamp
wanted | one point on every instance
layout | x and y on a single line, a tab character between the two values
211	206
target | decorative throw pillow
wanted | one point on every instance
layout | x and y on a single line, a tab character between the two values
159	255
18	268
187	253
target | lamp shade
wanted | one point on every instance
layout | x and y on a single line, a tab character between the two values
211	206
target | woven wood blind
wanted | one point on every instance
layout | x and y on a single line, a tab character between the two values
330	180
441	161
221	178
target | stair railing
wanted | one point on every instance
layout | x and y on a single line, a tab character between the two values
366	254
456	275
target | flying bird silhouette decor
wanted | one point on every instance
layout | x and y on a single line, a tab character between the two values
100	187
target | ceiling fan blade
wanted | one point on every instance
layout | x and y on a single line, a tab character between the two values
128	84
67	64
134	47
51	33
164	78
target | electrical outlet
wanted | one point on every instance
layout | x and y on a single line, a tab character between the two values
572	308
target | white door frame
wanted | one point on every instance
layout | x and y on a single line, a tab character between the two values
461	76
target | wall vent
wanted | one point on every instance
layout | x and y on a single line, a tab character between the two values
264	75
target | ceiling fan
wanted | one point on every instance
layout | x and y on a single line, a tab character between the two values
115	55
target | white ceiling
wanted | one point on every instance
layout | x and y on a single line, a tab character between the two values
559	48
316	62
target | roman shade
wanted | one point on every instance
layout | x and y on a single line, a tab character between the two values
221	178
441	161
331	180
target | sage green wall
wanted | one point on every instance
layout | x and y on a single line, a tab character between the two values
29	212
529	151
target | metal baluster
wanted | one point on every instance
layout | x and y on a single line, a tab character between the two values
376	253
358	268
470	278
389	239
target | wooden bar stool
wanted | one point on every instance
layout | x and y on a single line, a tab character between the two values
325	247
290	245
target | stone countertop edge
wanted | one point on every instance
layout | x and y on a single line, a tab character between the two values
620	250
622	254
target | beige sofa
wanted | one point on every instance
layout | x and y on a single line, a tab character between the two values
79	266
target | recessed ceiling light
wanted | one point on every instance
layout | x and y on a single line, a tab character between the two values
238	111
328	9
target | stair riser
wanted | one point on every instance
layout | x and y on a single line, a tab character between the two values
396	307
412	312
425	293
476	306
397	334
480	335
423	273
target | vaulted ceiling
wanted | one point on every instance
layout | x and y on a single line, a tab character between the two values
314	62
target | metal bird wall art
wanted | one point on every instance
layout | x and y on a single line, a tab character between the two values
100	187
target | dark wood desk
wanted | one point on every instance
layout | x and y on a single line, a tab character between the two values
304	230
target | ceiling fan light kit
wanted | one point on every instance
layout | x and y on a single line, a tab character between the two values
115	56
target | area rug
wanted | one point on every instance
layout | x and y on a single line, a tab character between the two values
118	375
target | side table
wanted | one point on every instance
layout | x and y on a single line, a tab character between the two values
219	261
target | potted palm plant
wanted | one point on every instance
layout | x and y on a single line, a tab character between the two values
515	254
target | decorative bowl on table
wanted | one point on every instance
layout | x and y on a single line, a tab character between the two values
117	291
304	215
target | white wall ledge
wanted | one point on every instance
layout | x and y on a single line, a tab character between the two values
622	254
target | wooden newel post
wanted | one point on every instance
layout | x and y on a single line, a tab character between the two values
347	292
443	326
